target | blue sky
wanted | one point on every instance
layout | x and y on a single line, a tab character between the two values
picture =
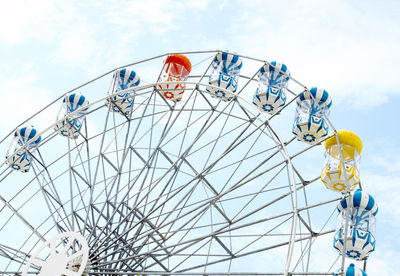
350	48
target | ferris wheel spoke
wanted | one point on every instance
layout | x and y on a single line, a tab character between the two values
250	117
96	170
81	201
204	128
13	254
280	245
238	165
258	193
228	150
193	254
249	176
100	212
161	140
185	130
50	182
108	186
192	152
303	249
53	248
50	201
38	262
177	166
190	242
227	230
150	186
125	154
262	235
254	211
284	214
142	119
149	251
309	224
172	190
141	221
248	82
136	140
192	221
95	242
144	235
218	137
87	161
307	249
208	184
228	256
189	120
71	185
183	201
51	195
148	223
276	147
154	161
125	148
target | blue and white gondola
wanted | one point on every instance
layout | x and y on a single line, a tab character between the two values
71	127
352	270
359	243
122	79
22	160
270	95
362	210
225	75
310	125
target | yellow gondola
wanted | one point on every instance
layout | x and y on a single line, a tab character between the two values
332	175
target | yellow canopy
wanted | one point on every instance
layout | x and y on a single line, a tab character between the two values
348	140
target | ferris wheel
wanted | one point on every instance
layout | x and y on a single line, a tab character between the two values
182	164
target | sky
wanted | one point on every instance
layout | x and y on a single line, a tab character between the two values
350	48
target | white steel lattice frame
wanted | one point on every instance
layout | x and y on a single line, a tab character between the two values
146	219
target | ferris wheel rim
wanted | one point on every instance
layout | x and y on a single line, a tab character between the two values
198	84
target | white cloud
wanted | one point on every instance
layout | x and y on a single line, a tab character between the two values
24	20
21	97
380	154
384	263
222	4
94	33
138	16
110	34
197	4
383	187
348	50
75	47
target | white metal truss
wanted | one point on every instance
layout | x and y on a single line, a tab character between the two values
199	187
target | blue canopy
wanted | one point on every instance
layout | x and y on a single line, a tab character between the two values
74	101
361	203
125	78
28	133
278	72
352	270
228	61
319	97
